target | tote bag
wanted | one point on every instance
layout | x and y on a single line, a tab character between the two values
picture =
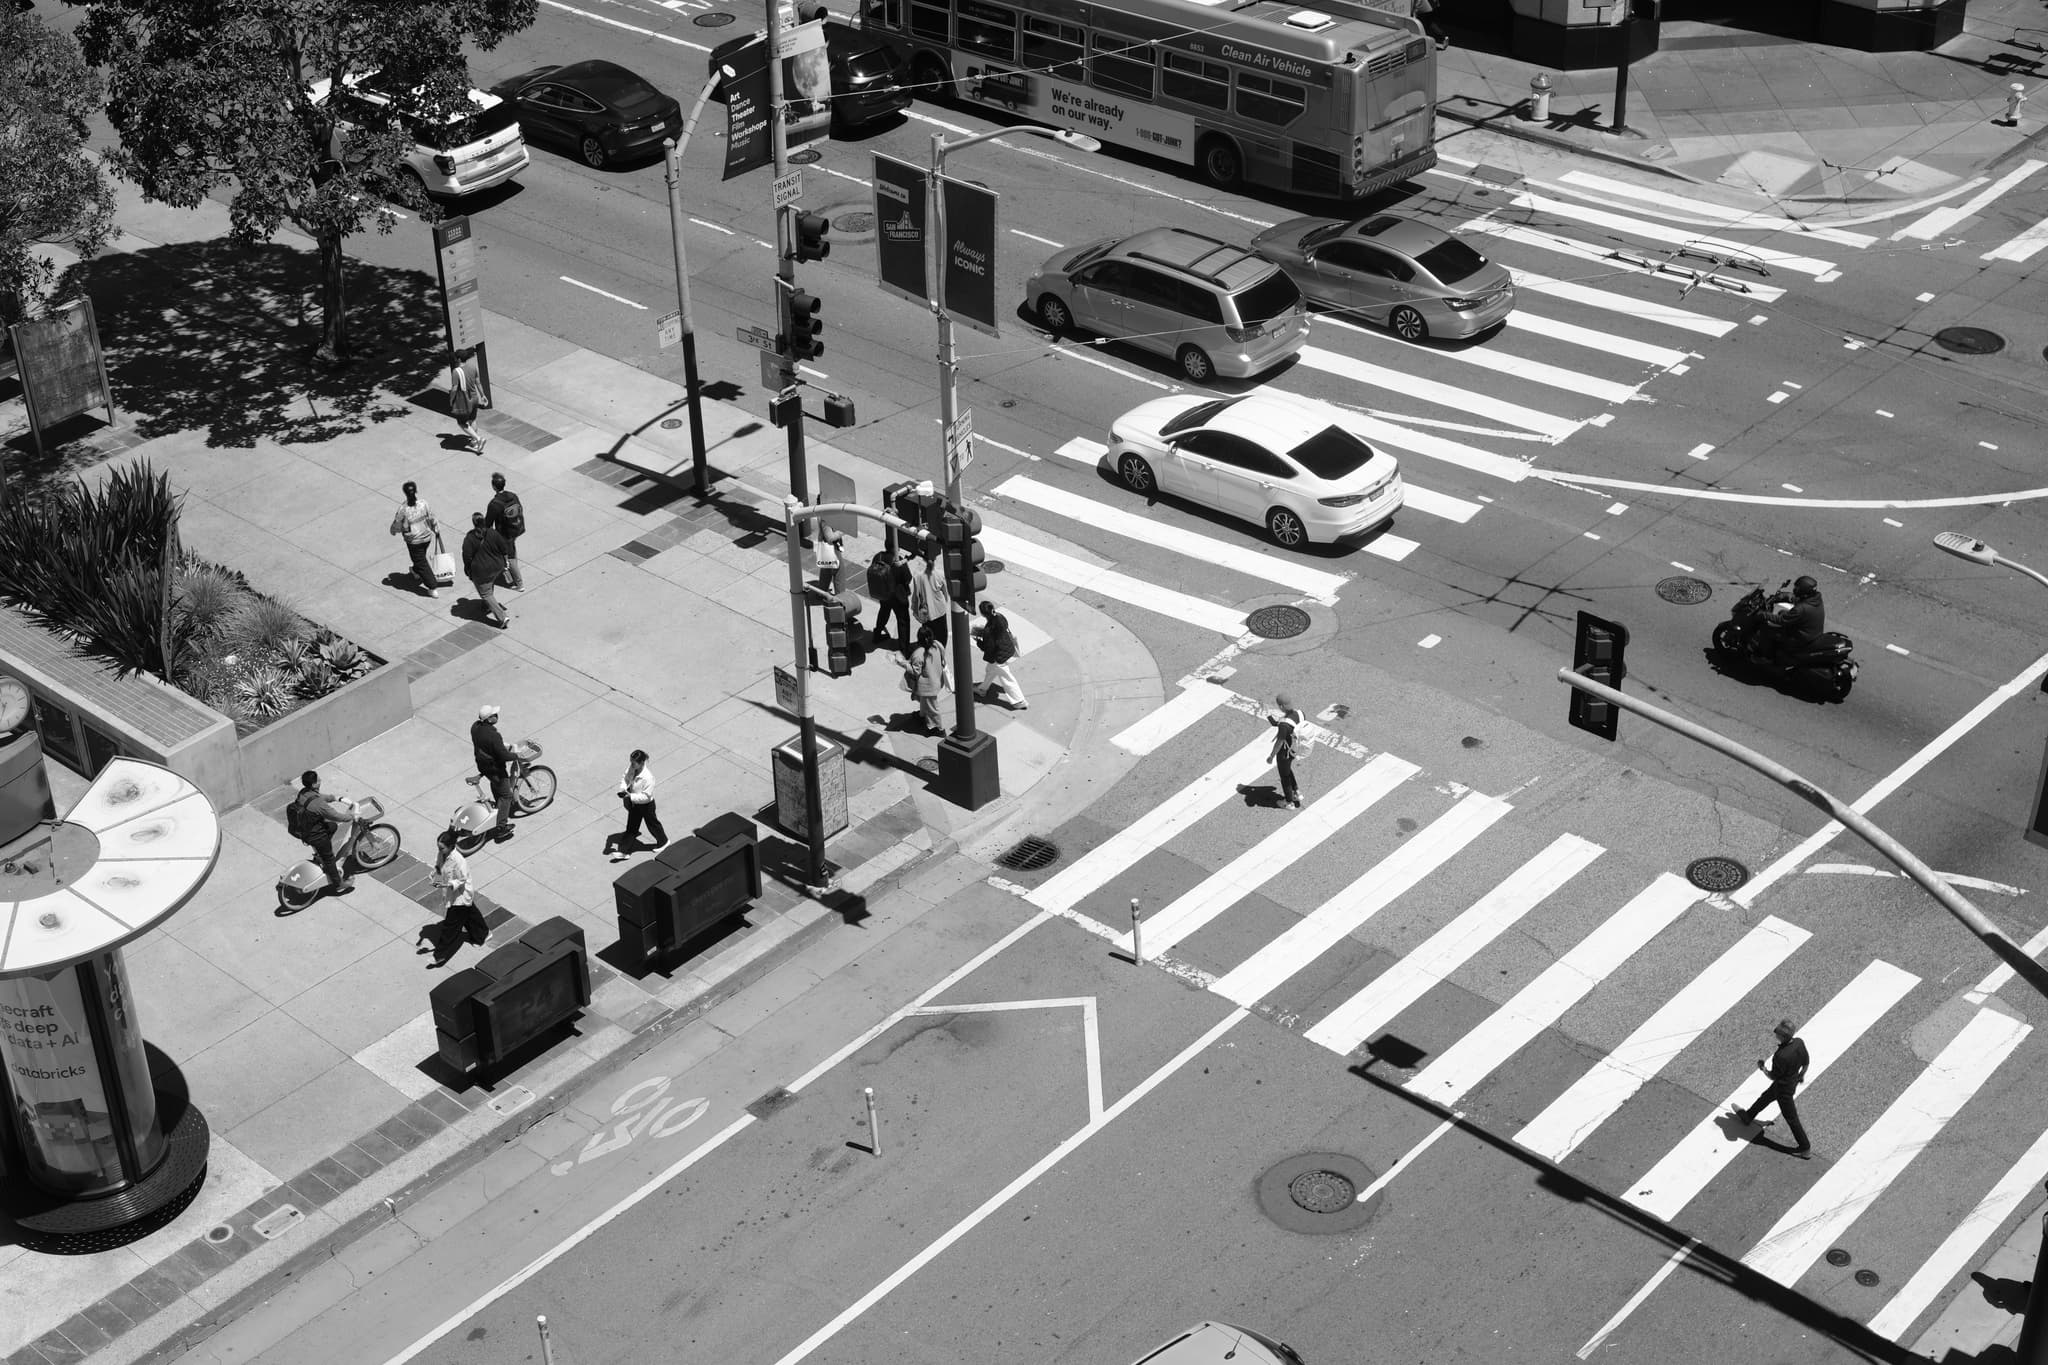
444	563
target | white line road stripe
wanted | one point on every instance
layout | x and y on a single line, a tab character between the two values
1994	980
1734	217
1960	1247
1273	854
1195	701
1452	946
1440	448
1635	1300
1196	611
1502	362
1683	318
1310	937
1672	236
1876	1158
1701	1154
1092	871
1445	395
1081	450
1937	221
603	293
1599	1094
2022	247
1436	504
1663	357
630	28
1556	989
1086	356
1550	241
1320	584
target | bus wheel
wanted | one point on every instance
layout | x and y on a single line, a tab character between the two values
932	79
1221	164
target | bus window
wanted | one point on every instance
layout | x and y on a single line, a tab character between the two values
1053	47
1191	79
1268	100
933	23
990	30
1123	65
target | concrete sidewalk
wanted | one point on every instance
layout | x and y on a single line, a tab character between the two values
650	619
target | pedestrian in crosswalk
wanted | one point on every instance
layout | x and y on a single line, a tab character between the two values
1286	721
1787	1068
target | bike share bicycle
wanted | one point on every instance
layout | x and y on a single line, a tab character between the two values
533	789
370	845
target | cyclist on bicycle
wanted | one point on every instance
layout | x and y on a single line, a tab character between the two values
495	761
324	824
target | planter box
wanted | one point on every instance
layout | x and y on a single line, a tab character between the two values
317	731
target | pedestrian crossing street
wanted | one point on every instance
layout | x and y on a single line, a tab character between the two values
1616	941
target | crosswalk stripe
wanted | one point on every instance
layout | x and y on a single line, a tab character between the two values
1960	1247
2022	247
1556	989
1413	442
1193	702
1501	362
1649	310
1940	220
1569	246
1734	217
1708	1148
1196	611
1673	236
1313	935
1445	395
1319	584
1081	450
1450	947
1438	504
1663	357
1599	1094
1092	870
1876	1158
1275	853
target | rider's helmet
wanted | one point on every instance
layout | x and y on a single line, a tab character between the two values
1804	586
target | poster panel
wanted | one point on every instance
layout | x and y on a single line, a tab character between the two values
970	263
901	209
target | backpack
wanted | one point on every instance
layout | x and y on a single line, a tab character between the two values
511	515
304	824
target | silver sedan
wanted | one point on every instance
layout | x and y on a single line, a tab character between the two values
1400	272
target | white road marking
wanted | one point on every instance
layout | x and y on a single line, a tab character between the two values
1598	1095
1501	362
1663	357
1440	448
1451	947
630	28
1734	217
1091	1032
1937	221
1444	395
1194	701
1556	989
1569	246
604	293
1773	500
1081	450
2023	247
1635	1300
1876	1158
1081	352
1648	310
1437	504
1273	854
1195	611
715	227
1407	1159
1671	236
1667	1187
1313	935
1042	241
1994	980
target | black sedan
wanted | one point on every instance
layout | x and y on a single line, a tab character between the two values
605	112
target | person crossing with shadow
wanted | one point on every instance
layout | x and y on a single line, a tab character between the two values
1787	1069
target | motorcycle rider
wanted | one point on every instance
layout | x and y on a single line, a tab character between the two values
1795	622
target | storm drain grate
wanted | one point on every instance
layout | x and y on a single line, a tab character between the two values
1030	854
1969	340
1277	623
1686	592
1716	873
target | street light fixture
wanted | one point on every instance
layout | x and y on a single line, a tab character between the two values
1977	552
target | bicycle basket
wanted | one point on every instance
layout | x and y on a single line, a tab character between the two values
526	750
369	809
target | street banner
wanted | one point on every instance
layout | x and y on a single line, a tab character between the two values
748	143
900	211
970	262
806	83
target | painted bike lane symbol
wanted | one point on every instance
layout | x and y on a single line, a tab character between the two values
645	1108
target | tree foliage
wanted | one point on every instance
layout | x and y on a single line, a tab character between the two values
215	94
51	189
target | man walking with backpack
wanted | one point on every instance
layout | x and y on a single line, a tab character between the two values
484	555
507	516
322	823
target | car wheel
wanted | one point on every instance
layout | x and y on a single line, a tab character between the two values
1053	315
1286	529
1136	474
1408	324
592	151
1221	163
1195	364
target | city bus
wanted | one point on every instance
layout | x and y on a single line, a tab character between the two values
1338	100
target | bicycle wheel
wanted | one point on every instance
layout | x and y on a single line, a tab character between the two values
376	846
534	789
291	900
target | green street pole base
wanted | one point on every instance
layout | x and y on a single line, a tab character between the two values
969	774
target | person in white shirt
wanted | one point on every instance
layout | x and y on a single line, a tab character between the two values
636	791
460	919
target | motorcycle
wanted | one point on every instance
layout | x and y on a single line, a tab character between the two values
533	789
370	845
1825	664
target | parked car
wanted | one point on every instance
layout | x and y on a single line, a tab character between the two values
1294	465
1216	309
1218	1343
456	154
602	111
1400	272
867	76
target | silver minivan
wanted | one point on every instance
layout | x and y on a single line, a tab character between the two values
1214	308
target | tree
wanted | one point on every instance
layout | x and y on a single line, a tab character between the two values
51	189
216	94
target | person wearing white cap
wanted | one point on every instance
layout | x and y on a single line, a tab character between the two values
1287	746
494	761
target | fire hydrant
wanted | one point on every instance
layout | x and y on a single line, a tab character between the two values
1539	99
2013	102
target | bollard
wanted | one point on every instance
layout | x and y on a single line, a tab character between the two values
2013	102
547	1348
1137	948
1539	98
874	1124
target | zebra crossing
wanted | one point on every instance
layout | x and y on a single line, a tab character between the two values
1545	897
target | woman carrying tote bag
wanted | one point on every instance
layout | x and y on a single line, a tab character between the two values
414	521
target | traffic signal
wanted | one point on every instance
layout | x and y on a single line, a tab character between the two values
1597	654
801	342
811	231
838	638
960	533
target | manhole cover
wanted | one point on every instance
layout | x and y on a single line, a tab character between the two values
1277	623
1686	592
671	423
993	566
1867	1278
219	1232
1030	854
1837	1256
1969	340
1716	873
1322	1191
804	157
929	765
862	221
712	20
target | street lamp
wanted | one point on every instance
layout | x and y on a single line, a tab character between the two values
1977	552
963	739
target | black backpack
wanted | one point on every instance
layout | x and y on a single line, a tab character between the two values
304	824
511	514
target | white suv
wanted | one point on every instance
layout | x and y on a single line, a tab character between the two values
457	155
